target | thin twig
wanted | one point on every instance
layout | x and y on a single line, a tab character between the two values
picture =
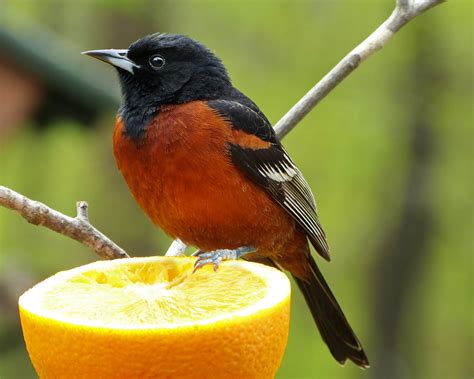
77	228
405	11
81	230
82	211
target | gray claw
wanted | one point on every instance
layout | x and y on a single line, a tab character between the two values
201	262
217	256
211	257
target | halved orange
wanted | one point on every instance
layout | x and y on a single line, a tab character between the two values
153	318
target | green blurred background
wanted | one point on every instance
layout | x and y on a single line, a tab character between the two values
388	155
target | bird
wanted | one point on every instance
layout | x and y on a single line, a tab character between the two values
205	165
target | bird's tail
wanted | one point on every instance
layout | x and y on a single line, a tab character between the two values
331	322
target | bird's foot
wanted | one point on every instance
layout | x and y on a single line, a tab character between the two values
217	256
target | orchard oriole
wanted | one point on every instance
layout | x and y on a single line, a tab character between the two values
203	162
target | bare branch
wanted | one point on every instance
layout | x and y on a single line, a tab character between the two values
405	11
77	228
403	5
176	249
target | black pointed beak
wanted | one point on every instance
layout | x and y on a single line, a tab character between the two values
117	58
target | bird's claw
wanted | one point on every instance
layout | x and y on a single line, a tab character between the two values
213	257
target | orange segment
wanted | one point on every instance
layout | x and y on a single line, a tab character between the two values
150	317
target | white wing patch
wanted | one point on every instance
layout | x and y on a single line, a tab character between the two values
280	172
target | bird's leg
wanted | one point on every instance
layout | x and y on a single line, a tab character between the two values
217	256
176	249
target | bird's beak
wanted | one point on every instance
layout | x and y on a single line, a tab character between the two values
117	58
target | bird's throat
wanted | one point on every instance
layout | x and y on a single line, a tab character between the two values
136	119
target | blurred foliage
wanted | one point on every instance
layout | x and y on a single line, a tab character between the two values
353	150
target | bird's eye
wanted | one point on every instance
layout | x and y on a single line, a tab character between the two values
157	62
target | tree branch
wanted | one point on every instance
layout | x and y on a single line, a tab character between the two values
81	230
77	228
405	11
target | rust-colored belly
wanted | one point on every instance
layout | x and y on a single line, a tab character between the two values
181	174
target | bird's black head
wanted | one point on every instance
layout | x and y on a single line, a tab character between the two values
164	69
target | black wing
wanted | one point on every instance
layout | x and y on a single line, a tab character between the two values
247	118
273	169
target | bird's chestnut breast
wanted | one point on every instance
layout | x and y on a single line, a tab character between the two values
181	174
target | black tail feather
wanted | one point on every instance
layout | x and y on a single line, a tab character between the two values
331	322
